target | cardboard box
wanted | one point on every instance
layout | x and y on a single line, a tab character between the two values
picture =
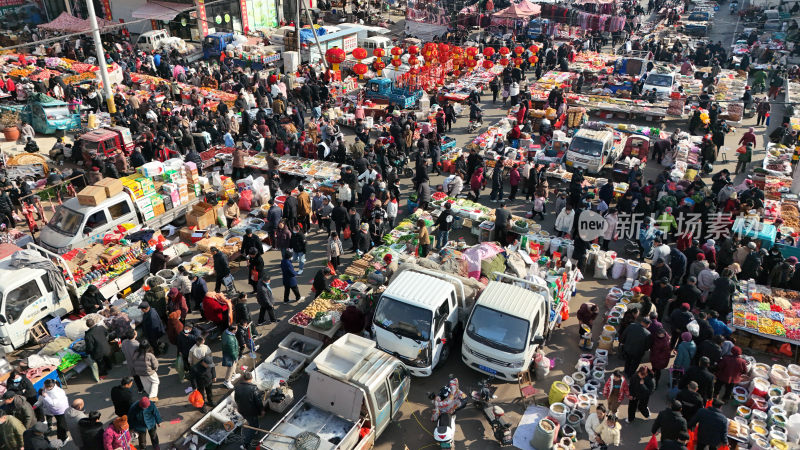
159	209
92	195
112	186
200	220
202	207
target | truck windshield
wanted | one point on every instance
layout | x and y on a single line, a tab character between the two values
211	43
56	112
66	221
498	330
403	319
660	80
585	146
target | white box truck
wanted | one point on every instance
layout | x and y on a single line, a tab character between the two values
352	387
593	150
417	317
509	322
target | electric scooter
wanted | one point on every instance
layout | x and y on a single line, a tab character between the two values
444	433
482	398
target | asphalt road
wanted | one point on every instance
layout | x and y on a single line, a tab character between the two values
413	427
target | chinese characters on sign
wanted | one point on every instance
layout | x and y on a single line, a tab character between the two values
716	226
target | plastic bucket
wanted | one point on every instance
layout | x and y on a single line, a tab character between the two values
609	330
559	412
558	390
632	269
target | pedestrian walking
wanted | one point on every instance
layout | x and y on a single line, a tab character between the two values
616	391
144	418
265	299
54	403
289	277
641	386
145	366
230	354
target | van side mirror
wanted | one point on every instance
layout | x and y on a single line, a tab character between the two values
605	152
3	319
87	230
537	340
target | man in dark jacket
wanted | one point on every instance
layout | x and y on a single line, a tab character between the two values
711	349
250	240
249	403
123	396
265	298
158	260
670	422
185	341
203	374
290	211
702	376
152	326
91	431
92	300
97	346
712	426
16	405
199	291
679	319
274	215
339	218
221	269
355	227
677	444
635	342
687	293
35	439
690	399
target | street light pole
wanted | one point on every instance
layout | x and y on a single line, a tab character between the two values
101	58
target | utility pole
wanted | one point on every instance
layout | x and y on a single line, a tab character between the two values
101	58
297	29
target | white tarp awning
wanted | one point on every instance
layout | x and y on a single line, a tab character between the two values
160	10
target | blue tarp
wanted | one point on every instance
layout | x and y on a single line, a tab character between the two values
307	35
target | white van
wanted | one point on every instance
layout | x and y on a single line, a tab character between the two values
371	43
661	82
506	327
151	40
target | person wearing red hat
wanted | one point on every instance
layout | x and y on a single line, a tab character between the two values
158	260
94	175
729	372
144	418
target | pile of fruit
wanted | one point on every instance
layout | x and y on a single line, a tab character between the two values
319	305
301	319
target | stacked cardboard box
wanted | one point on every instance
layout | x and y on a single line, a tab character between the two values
112	186
92	195
202	216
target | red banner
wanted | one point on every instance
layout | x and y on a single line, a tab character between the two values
245	22
107	9
201	17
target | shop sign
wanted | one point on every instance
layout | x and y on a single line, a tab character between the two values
350	43
107	9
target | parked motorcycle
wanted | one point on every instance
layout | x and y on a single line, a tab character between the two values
482	398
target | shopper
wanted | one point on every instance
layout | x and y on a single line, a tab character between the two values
34	438
444	222
289	277
298	245
670	422
144	418
11	431
230	354
199	291
334	249
635	342
117	436
203	374
702	377
221	269
123	396
145	366
54	404
641	386
608	433
152	327
593	422
423	239
17	406
660	353
712	426
616	390
250	404
686	351
730	370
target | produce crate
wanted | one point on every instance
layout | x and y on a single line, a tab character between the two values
216	425
294	341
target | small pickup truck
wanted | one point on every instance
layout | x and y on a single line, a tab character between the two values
383	91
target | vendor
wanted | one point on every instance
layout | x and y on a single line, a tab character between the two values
92	300
231	211
158	260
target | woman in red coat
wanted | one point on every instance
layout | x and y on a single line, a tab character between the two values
217	309
729	372
660	352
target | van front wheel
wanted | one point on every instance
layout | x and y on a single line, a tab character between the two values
443	355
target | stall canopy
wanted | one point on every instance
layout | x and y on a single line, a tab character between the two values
67	23
518	11
160	10
532	8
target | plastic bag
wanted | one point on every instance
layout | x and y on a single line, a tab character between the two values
346	232
216	180
246	200
694	328
179	367
652	444
196	398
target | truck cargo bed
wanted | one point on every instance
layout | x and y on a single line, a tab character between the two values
335	432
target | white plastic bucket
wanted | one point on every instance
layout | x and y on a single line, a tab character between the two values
559	412
632	269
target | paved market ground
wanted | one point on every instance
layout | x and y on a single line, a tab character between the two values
413	428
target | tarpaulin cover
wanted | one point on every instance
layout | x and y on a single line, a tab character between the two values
477	254
307	34
518	11
71	24
160	10
24	259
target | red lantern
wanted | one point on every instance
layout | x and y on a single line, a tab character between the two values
397	63
472	52
429	47
534	49
457	61
519	50
518	61
335	56
378	66
413	61
504	51
471	63
533	59
378	52
503	61
413	71
488	52
443	48
359	53
457	73
487	64
360	69
397	51
457	50
413	50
